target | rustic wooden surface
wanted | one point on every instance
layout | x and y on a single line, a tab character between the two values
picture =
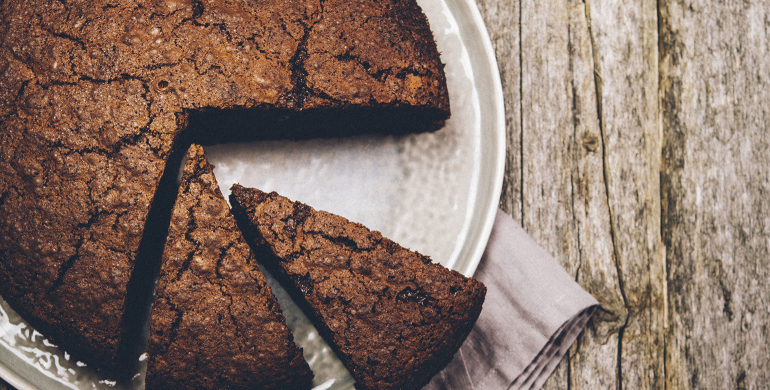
716	192
639	155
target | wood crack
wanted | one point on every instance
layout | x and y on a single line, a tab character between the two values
521	113
606	176
575	126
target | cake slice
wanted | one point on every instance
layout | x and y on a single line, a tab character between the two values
393	317
215	323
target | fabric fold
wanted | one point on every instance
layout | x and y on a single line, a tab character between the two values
534	311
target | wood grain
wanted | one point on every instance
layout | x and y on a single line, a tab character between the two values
625	39
716	192
548	144
584	152
639	155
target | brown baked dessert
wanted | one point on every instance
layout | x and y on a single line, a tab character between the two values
94	96
215	323
393	317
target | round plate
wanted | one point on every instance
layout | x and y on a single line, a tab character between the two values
435	193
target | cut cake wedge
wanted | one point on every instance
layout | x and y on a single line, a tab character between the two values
393	317
215	323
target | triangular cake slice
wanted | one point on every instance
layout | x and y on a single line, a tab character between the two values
393	317
215	323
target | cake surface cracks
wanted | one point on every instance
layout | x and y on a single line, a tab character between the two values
383	308
214	315
95	97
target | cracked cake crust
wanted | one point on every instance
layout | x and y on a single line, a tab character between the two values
215	323
94	96
393	317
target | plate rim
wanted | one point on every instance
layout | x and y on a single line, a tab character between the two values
13	379
498	129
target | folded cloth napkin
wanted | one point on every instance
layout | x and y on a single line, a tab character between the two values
532	314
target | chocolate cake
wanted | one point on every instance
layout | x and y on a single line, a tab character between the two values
215	323
393	317
95	94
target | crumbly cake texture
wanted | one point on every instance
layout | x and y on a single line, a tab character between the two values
393	317
94	95
215	323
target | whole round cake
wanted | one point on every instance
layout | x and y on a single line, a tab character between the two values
96	97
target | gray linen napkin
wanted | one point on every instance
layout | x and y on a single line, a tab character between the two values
532	314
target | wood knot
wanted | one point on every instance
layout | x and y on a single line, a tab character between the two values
590	141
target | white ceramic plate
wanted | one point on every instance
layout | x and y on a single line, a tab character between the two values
435	193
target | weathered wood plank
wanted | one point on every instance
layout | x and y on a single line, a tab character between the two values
564	195
589	189
597	352
502	21
715	64
546	122
624	37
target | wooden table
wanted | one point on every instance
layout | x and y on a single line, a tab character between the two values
639	155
